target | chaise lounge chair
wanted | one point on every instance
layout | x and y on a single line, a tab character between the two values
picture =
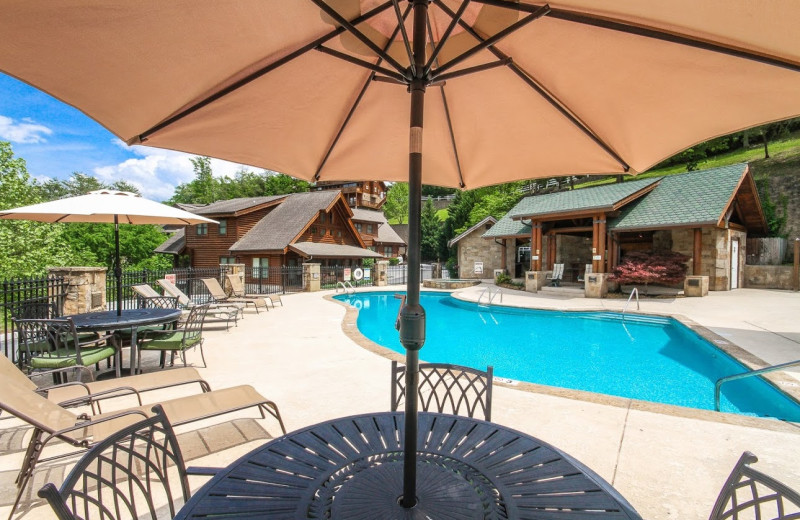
238	290
556	276
51	421
221	311
587	271
219	296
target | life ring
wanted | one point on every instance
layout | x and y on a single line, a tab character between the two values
358	274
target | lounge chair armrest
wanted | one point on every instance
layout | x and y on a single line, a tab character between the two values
86	422
76	368
105	394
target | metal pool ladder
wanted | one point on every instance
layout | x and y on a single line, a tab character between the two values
490	293
636	292
347	287
756	372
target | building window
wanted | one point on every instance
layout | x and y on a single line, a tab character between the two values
260	267
313	230
223	226
369	228
388	250
358	227
202	229
225	260
322	218
322	232
339	233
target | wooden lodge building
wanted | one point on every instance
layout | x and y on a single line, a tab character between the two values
273	231
358	194
706	215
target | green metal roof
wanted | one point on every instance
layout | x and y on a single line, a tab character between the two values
505	227
679	200
599	198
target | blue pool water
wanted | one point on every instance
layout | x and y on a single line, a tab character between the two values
649	358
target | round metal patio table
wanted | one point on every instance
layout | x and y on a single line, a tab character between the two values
352	468
130	319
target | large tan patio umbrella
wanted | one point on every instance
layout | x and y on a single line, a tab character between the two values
106	206
339	89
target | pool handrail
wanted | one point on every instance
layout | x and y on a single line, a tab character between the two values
347	287
490	290
749	373
636	292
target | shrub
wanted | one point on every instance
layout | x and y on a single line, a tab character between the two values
502	278
640	267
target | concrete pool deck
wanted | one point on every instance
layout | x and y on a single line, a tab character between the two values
667	464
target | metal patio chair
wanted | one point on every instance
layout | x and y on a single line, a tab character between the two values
238	290
179	340
55	343
138	472
749	493
446	388
221	311
556	276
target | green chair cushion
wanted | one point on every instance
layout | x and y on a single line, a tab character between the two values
69	358
168	341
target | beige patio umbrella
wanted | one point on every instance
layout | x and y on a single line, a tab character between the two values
340	89
106	206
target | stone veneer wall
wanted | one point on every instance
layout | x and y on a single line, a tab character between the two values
472	248
86	288
768	276
716	254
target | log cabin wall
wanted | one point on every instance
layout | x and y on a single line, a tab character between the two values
215	245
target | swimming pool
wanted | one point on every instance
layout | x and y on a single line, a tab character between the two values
643	357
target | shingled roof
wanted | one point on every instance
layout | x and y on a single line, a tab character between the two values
235	206
490	220
368	215
174	244
320	249
695	199
601	198
507	227
283	224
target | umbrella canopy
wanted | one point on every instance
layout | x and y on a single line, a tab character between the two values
106	206
341	89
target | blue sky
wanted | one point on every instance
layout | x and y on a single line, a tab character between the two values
56	140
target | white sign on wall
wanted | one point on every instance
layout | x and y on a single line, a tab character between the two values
478	267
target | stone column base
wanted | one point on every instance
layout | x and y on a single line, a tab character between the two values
695	286
311	277
381	273
86	290
596	285
535	280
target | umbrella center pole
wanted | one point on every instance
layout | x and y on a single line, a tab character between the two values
412	317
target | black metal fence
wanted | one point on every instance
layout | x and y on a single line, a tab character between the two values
273	280
337	276
188	280
29	298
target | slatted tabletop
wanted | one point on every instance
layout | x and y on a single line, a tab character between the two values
352	468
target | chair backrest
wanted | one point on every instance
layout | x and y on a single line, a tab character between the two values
447	388
237	288
193	328
216	290
34	309
172	289
748	493
48	337
137	472
160	302
34	409
588	269
11	373
144	290
558	271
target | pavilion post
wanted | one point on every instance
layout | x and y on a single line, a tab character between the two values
412	317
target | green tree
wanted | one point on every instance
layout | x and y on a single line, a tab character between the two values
430	228
26	248
396	206
203	189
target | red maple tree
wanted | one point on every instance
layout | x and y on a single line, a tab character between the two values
646	267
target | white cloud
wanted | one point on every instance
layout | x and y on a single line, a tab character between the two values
24	131
156	172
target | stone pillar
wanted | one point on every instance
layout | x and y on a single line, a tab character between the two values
310	277
695	286
535	280
595	285
86	288
232	269
381	273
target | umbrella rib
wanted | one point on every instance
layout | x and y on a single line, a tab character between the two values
362	63
254	76
353	108
352	29
406	41
445	36
555	103
649	32
447	108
